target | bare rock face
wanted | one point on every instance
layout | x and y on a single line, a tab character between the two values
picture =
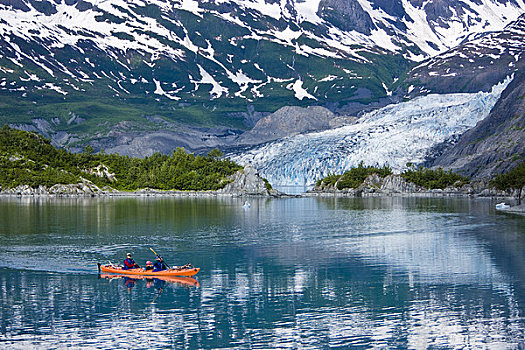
248	182
496	144
292	120
346	14
387	185
85	188
75	189
397	184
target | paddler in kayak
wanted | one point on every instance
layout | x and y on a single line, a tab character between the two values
129	263
159	265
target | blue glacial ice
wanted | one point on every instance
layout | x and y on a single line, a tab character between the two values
393	135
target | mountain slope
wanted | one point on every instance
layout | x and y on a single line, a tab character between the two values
497	143
481	61
82	70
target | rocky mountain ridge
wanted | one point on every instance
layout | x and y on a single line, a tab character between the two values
497	143
104	72
478	63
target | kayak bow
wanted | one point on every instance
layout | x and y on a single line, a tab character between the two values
142	272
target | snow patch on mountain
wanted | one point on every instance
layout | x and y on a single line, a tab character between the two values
307	11
217	90
160	91
393	136
428	35
191	6
300	92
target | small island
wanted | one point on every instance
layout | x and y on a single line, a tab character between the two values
363	181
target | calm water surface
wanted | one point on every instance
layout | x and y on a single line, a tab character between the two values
301	273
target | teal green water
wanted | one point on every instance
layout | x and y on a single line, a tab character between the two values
300	273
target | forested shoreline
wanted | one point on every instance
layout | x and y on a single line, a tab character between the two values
29	159
381	180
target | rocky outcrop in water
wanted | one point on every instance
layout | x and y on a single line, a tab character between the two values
246	182
85	188
391	185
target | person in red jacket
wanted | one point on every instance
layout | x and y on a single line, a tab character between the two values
129	263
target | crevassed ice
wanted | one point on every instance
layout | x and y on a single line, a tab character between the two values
393	136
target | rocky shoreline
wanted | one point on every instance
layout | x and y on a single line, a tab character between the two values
395	185
246	182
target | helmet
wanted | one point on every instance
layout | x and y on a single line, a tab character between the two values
128	255
149	263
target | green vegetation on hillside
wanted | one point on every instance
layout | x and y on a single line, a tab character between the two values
514	179
423	177
353	177
29	159
434	179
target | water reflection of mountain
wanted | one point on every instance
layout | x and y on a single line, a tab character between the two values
298	273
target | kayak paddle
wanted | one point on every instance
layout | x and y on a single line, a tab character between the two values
158	256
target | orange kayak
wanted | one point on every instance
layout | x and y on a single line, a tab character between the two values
187	281
142	272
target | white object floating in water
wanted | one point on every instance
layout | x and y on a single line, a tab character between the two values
502	205
246	205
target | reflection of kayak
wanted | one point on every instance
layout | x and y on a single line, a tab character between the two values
187	281
142	272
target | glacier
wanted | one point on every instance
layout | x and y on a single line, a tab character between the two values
393	135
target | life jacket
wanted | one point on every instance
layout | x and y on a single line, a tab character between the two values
159	266
129	264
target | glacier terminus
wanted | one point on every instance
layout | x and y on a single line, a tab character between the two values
393	135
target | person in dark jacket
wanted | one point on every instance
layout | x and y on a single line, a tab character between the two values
159	265
129	263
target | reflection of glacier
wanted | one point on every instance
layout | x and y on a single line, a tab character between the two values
302	273
393	135
424	250
442	265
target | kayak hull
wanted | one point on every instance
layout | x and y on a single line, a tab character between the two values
142	272
182	280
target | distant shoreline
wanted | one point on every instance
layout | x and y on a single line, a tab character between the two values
426	194
514	209
211	194
130	194
32	192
